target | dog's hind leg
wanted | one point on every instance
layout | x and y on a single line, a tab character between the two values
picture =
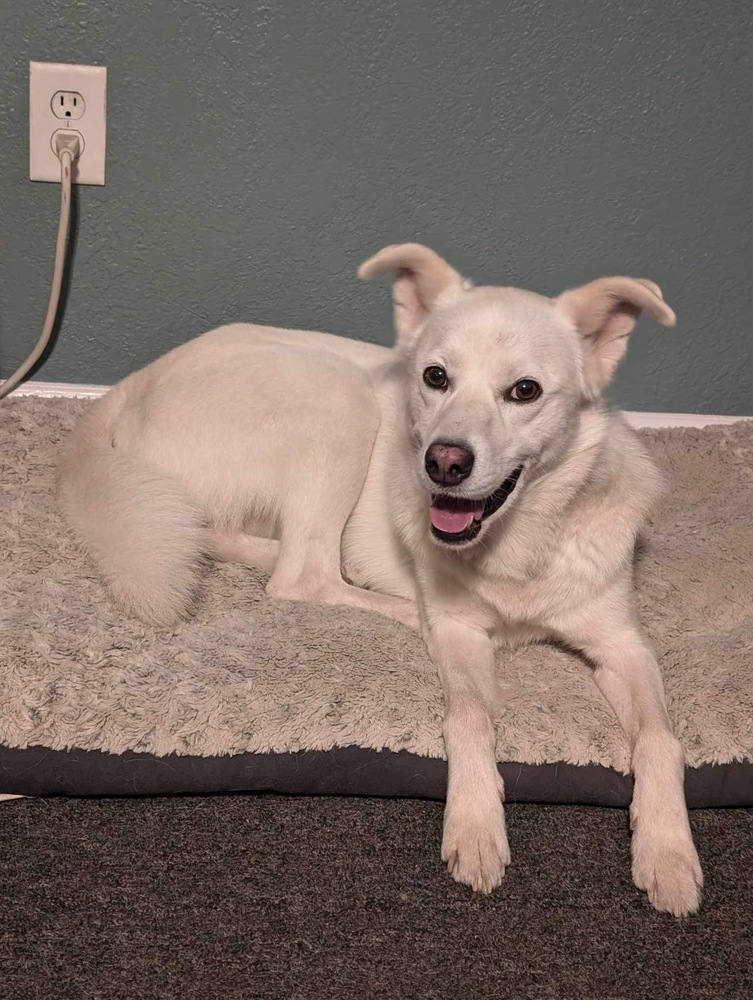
308	566
263	553
398	608
248	550
305	585
326	488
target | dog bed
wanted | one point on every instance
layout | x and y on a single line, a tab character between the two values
252	694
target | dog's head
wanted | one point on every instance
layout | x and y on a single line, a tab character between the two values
498	377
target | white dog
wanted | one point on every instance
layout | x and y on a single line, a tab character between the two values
472	478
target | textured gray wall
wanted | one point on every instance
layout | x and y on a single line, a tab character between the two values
258	151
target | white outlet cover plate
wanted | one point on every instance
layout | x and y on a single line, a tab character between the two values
89	81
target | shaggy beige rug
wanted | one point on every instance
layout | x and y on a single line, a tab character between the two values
249	674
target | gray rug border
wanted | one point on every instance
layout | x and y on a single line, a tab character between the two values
353	771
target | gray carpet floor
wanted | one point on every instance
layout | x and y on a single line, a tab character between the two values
238	897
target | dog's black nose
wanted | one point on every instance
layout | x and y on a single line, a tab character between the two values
448	464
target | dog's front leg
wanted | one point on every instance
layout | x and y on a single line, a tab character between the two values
665	862
474	843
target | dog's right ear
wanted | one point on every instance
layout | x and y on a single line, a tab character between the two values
423	281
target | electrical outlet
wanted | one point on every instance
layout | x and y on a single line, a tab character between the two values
68	104
60	94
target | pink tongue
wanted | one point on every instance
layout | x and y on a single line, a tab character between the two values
451	521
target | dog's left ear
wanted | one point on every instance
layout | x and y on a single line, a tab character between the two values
604	312
423	281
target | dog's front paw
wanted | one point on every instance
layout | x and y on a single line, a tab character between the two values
474	843
669	872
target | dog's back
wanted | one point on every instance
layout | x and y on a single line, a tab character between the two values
194	439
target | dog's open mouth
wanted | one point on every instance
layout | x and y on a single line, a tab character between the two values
455	519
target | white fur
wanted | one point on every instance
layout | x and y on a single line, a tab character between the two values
304	453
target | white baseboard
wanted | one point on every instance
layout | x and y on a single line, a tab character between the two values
51	389
635	419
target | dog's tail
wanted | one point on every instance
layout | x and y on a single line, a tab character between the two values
139	525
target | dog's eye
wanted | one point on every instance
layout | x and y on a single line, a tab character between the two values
525	391
436	377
